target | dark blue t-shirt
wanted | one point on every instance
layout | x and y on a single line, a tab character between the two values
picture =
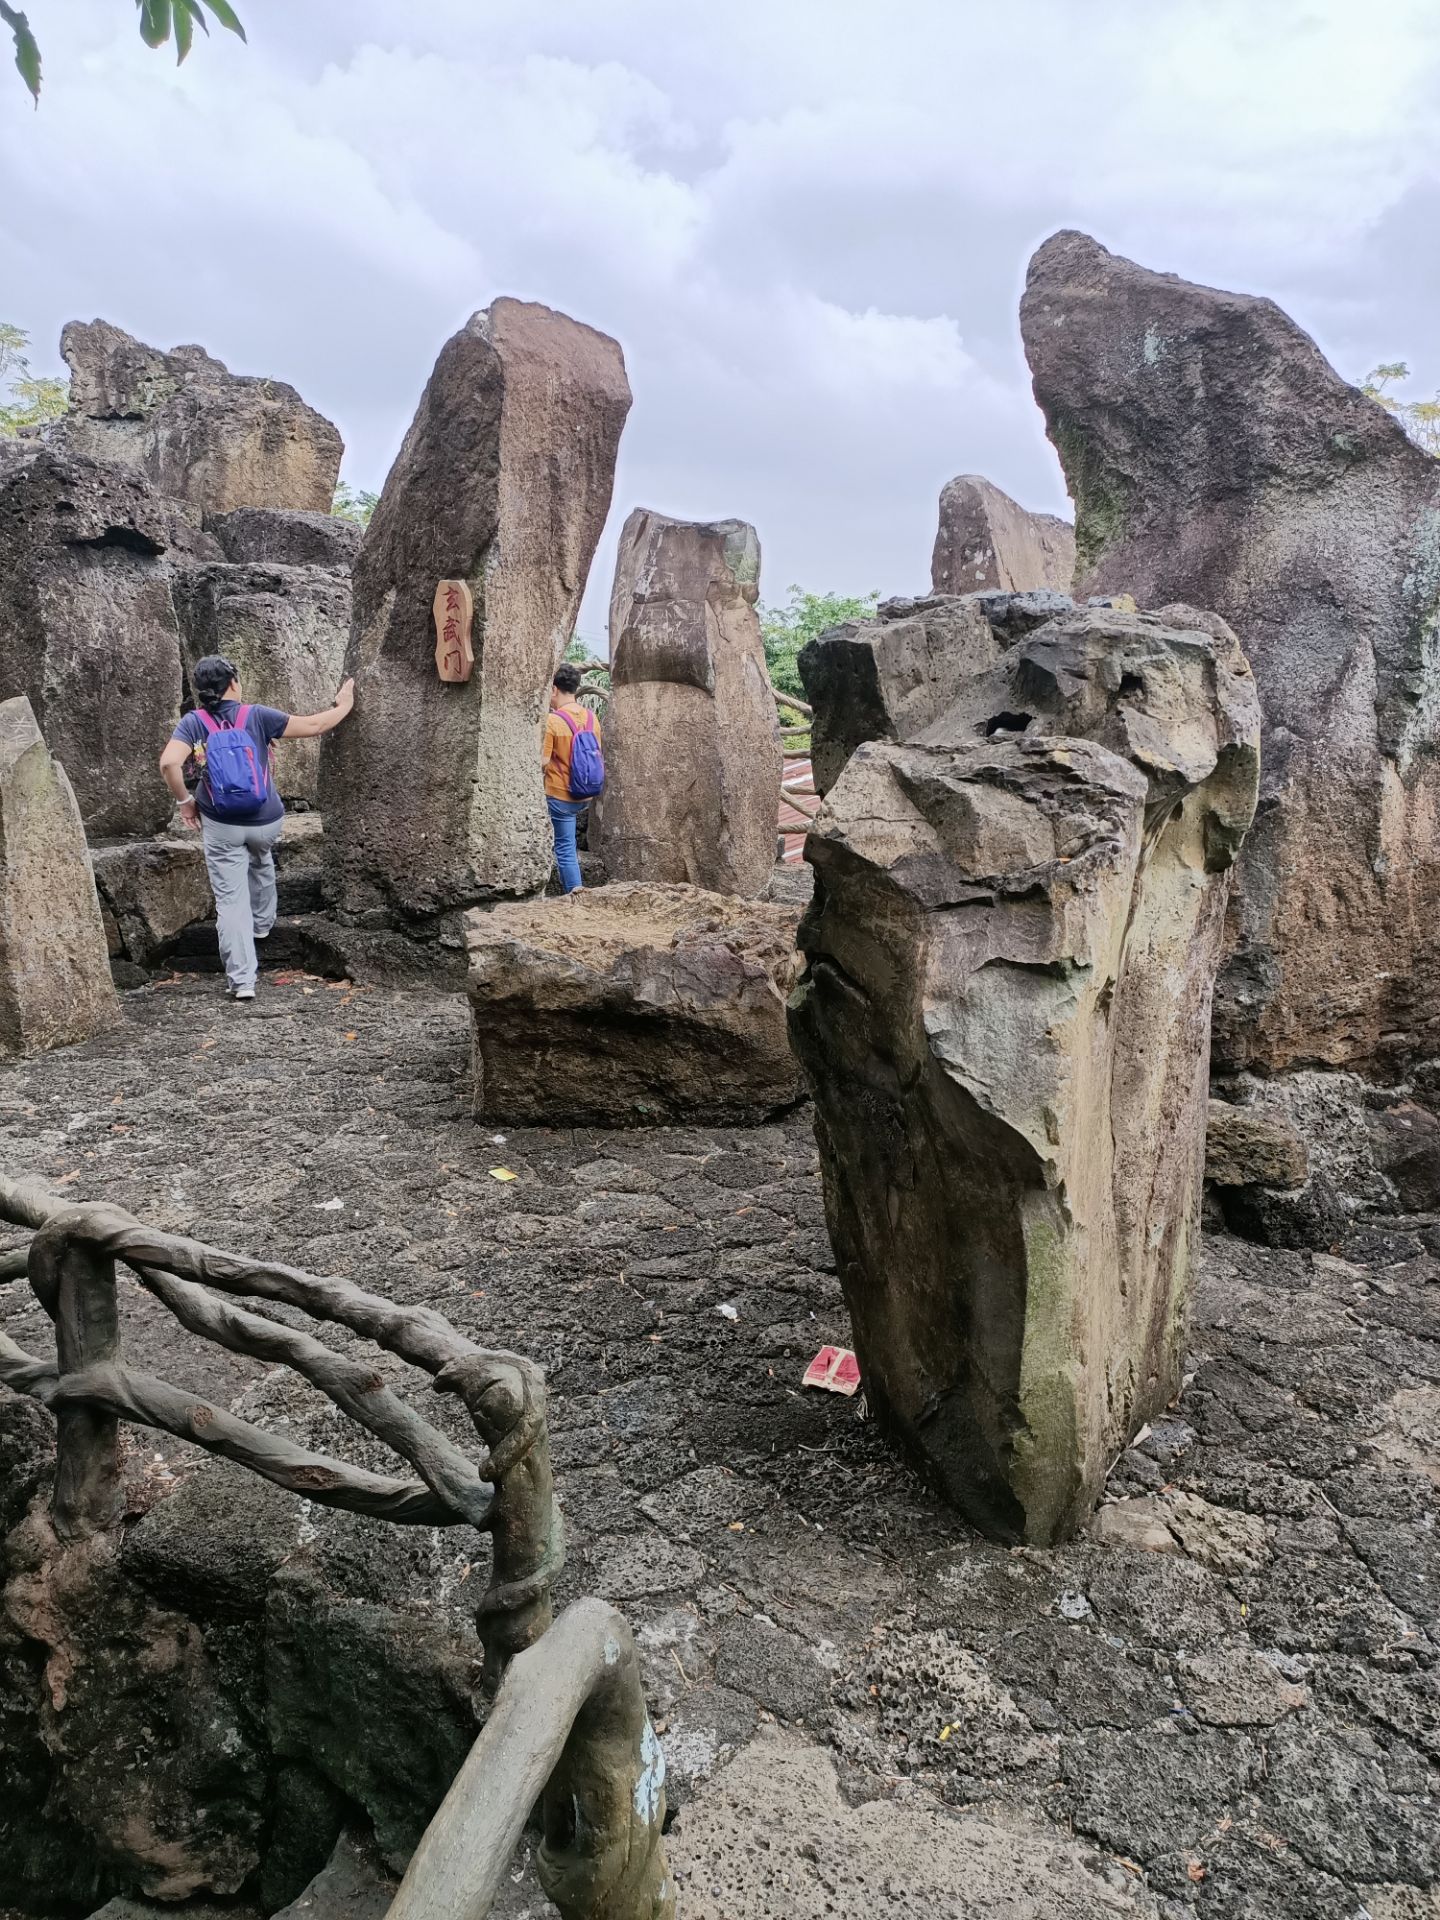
265	723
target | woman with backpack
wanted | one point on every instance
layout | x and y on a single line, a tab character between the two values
573	766
235	804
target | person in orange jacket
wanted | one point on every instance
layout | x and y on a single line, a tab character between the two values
574	770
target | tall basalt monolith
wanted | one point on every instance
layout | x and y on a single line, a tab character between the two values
1004	1022
88	629
199	433
692	740
55	984
1215	457
431	791
988	542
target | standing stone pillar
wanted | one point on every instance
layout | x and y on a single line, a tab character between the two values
988	542
432	792
88	630
1005	1025
55	984
1215	457
692	740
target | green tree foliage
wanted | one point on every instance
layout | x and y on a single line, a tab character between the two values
159	19
597	677
26	400
1420	418
353	503
804	615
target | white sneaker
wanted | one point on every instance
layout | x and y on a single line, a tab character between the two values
244	993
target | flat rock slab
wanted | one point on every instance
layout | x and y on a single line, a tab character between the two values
774	1839
632	1005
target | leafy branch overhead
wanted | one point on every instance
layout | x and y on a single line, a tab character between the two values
159	19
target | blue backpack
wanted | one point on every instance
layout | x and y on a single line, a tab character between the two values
237	771
587	762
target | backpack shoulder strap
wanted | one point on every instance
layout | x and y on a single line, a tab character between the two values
560	714
241	717
208	721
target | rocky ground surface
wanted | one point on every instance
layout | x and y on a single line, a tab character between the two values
866	1709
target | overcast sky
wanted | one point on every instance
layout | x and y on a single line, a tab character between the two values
807	221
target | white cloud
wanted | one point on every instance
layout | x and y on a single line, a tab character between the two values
807	223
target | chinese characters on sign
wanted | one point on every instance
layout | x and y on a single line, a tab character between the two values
454	615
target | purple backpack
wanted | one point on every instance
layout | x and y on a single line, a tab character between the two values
587	762
237	771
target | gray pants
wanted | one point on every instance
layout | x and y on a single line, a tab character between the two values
240	860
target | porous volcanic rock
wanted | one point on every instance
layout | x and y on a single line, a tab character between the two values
1215	457
198	432
1245	1147
88	629
987	540
890	676
1004	1023
433	791
692	740
285	538
55	982
632	1005
286	628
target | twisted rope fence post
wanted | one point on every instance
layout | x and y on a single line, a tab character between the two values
75	1283
570	1712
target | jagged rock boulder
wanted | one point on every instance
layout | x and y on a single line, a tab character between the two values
1215	457
1004	1023
986	540
432	792
893	675
198	432
287	539
692	740
88	630
286	628
54	972
150	891
632	1005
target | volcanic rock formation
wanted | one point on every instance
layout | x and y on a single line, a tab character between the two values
890	676
197	432
692	741
432	791
1005	1025
633	1005
55	982
88	630
286	629
1215	457
987	540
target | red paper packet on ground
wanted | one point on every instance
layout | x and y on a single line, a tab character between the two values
835	1369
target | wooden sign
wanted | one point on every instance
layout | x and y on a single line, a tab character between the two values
454	616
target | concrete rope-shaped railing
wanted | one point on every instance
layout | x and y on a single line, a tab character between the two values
570	1719
588	1723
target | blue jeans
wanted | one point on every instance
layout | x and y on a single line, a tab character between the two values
564	818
